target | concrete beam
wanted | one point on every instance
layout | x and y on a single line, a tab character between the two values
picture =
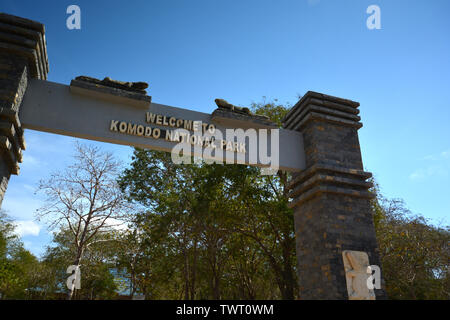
55	108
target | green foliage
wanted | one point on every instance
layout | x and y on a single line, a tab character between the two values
18	266
415	254
7	236
274	110
201	222
98	280
212	232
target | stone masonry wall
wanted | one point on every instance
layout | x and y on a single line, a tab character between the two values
330	198
23	55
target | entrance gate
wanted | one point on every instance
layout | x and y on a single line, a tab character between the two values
335	235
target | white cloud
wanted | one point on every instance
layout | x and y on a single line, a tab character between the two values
440	166
431	157
117	224
313	2
27	227
438	156
21	207
30	160
29	187
428	172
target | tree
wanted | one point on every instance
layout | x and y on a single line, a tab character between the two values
415	254
19	268
131	260
99	277
8	240
7	235
85	199
200	214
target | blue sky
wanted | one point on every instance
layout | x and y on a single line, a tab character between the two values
192	52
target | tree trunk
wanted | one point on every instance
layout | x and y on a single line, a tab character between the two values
193	272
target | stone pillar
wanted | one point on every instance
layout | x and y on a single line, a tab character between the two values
23	56
330	197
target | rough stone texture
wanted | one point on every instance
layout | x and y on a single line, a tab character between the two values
137	87
244	121
227	113
357	270
25	38
224	104
109	93
23	55
4	177
330	198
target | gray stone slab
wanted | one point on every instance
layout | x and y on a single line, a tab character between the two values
52	107
244	121
110	94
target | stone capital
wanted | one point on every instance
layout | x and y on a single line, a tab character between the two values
23	38
23	55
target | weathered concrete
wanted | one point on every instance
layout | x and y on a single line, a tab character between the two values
23	56
113	94
85	117
227	118
330	198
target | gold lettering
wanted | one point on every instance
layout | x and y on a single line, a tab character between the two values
200	140
195	125
176	137
113	126
156	133
188	124
150	117
242	147
235	147
169	135
132	128
140	130
123	127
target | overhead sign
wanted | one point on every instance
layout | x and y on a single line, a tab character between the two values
96	115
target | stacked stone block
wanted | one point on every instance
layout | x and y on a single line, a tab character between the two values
23	55
331	200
